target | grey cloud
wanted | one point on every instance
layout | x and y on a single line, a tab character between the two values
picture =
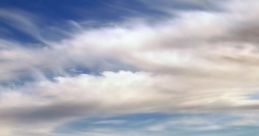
47	113
245	32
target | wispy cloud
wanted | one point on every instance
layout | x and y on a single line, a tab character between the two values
194	61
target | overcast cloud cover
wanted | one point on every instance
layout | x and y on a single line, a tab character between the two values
120	68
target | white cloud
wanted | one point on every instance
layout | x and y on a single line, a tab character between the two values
193	62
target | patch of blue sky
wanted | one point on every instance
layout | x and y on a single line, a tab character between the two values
202	5
8	32
81	9
56	14
120	122
26	77
254	96
20	81
180	124
232	131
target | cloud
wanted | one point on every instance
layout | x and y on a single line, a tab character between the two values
85	96
22	21
153	124
168	6
197	61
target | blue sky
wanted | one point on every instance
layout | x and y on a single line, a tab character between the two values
129	68
59	15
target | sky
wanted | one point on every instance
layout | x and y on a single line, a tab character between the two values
129	67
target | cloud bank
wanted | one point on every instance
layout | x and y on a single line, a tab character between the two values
194	61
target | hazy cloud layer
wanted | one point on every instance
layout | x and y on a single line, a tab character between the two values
193	61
